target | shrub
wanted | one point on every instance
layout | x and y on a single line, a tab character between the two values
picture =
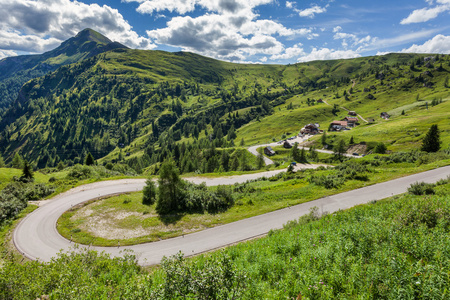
329	181
421	188
380	148
79	172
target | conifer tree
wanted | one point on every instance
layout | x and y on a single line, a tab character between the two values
149	192
431	141
170	190
27	171
2	162
89	160
17	161
260	158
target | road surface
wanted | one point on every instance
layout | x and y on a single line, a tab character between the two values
37	238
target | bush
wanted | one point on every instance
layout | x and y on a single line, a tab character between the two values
329	181
380	148
79	172
421	188
14	198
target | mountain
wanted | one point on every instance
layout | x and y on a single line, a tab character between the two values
15	71
143	106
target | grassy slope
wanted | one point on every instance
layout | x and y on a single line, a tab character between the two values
394	98
216	77
255	199
397	248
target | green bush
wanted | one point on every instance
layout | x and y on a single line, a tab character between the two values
421	188
329	181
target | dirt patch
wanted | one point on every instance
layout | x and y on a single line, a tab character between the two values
357	148
105	225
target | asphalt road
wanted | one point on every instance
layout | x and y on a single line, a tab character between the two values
37	238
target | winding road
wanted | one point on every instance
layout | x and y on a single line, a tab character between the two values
36	236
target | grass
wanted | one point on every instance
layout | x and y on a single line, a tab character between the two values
396	248
392	97
254	199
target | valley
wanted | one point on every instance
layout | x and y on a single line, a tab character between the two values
336	167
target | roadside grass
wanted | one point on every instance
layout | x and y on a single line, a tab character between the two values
396	248
253	198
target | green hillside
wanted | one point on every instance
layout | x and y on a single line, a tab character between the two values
397	248
142	107
15	71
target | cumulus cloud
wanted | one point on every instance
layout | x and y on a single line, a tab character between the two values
37	26
225	35
217	36
289	53
428	13
185	6
312	11
327	54
438	44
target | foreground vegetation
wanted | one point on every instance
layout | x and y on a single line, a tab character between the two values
390	249
130	221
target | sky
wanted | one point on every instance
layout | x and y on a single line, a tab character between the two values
249	31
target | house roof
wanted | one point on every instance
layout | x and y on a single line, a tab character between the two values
340	123
351	119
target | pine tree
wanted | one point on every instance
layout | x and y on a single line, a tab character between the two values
27	171
89	160
149	192
170	190
243	163
2	162
340	149
431	141
324	139
295	153
302	155
352	141
17	161
260	158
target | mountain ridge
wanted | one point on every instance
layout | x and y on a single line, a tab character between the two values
15	71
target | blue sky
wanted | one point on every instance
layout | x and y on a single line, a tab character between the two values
257	31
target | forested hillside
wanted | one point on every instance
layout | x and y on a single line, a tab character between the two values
145	106
15	71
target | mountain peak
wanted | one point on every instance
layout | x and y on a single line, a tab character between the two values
89	34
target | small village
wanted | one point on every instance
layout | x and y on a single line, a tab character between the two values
347	123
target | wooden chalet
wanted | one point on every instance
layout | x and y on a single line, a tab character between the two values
269	151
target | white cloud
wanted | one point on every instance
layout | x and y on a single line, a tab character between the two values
400	40
37	26
185	6
228	36
438	44
337	29
6	53
427	13
289	4
289	53
424	14
217	36
327	54
381	53
312	11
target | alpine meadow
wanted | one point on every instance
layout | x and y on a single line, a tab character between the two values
147	147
